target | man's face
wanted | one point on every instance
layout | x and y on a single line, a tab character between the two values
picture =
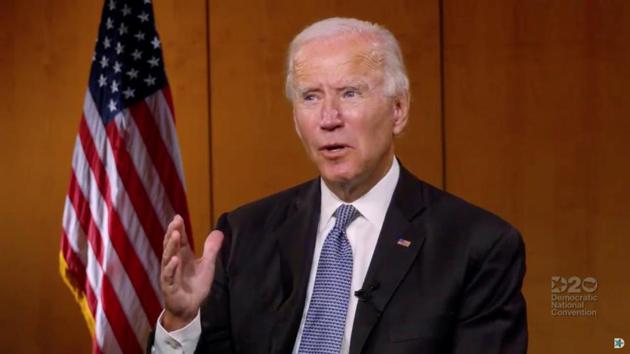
345	121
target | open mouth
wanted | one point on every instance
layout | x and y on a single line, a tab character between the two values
333	150
333	147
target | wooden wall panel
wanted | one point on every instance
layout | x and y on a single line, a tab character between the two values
536	117
46	73
182	26
255	151
45	51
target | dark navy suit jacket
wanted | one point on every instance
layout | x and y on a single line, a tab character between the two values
456	288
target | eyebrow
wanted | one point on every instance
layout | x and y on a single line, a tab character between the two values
301	90
358	84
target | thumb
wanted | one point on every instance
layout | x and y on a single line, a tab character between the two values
211	246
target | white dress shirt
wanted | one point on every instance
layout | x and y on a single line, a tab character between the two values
362	234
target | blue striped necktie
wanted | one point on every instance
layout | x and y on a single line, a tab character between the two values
326	317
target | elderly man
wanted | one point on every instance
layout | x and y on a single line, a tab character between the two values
364	259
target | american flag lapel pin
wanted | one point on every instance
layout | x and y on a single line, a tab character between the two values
403	242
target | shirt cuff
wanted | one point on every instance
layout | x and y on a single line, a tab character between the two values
181	341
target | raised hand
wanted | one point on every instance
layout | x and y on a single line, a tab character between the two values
185	281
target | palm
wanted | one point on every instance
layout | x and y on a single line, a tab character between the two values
185	281
195	282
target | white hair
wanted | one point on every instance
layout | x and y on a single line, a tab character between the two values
385	45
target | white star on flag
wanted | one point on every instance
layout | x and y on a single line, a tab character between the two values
136	54
154	61
133	73
104	61
128	93
150	80
126	10
155	42
144	17
111	105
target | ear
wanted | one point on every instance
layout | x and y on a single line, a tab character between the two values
401	112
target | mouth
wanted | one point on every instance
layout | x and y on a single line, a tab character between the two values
333	150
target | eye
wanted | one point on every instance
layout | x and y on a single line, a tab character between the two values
350	93
309	97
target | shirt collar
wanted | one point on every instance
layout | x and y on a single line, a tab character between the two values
372	205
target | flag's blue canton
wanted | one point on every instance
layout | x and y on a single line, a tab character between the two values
326	317
127	62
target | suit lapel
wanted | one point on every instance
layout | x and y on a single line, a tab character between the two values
295	237
397	247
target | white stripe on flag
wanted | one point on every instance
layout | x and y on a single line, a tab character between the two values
145	168
75	235
166	124
104	335
120	199
119	279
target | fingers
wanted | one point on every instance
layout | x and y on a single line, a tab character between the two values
168	272
183	241
171	226
177	275
177	224
175	242
171	246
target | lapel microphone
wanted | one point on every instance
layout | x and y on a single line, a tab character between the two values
365	294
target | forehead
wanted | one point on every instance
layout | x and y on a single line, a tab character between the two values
345	57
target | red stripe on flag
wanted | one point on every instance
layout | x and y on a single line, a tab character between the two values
162	161
84	215
166	91
95	348
94	238
76	268
117	234
78	273
82	210
115	314
92	300
136	191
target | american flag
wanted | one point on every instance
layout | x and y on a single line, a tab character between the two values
404	243
126	183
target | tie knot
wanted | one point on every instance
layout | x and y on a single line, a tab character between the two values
345	215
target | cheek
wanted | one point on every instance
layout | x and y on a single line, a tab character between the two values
375	137
376	124
304	130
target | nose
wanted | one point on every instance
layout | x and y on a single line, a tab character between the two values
331	118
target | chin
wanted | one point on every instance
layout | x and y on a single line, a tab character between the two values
337	173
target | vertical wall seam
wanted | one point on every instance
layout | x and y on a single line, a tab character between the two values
442	98
209	108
